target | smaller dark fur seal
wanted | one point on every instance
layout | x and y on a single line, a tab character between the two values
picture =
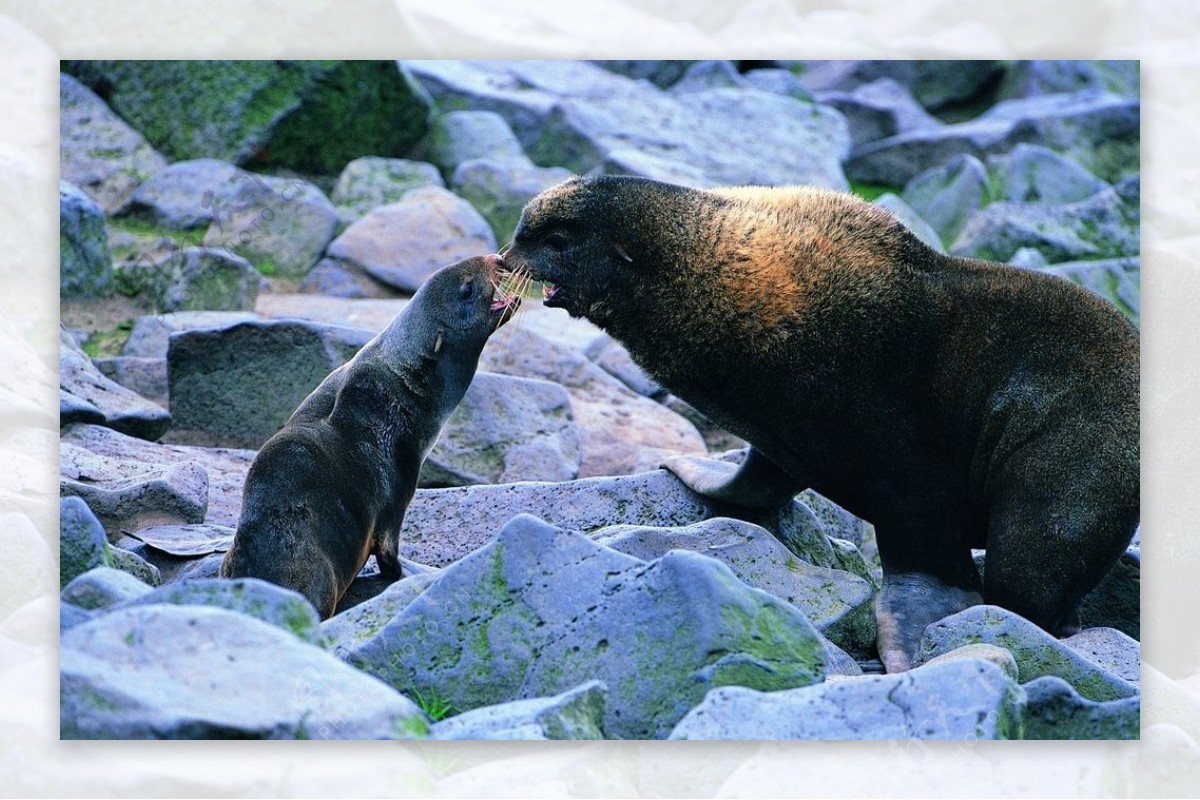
331	487
954	403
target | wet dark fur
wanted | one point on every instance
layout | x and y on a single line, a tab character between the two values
331	487
954	403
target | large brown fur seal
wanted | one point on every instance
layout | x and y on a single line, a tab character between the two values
331	487
954	403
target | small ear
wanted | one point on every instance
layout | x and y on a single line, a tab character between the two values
437	343
622	252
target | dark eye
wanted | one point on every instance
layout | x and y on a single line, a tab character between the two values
557	242
466	291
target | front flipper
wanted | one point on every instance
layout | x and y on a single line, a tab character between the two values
907	603
756	483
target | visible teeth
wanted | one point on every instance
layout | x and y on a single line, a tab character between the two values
548	290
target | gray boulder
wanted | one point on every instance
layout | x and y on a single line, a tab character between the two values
1039	77
403	243
933	84
226	470
134	564
334	278
192	279
778	81
1054	710
947	195
500	189
265	601
98	151
612	357
459	136
540	610
186	194
349	629
580	116
621	431
144	376
1099	131
266	112
130	494
188	672
372	181
966	700
1111	650
898	159
703	75
839	604
506	429
87	396
81	540
150	333
71	615
84	260
443	525
1031	173
102	588
879	109
1037	652
280	226
694	139
1103	226
660	73
575	714
236	386
981	652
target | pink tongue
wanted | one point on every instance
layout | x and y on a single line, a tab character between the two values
499	304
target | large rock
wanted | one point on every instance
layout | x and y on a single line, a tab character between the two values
372	181
144	376
256	598
187	672
580	116
838	604
349	629
150	333
1110	649
1037	652
280	226
81	540
1106	225
311	116
236	386
1039	77
193	279
1054	710
500	189
621	431
186	194
970	699
88	396
575	714
443	525
947	195
333	278
132	494
879	109
459	136
101	588
1097	131
506	429
934	84
540	611
85	263
1034	174
403	243
225	469
98	151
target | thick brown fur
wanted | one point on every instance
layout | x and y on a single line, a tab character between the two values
331	487
954	403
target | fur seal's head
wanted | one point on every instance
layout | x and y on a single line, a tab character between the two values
592	242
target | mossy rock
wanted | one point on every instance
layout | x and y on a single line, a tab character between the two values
311	116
